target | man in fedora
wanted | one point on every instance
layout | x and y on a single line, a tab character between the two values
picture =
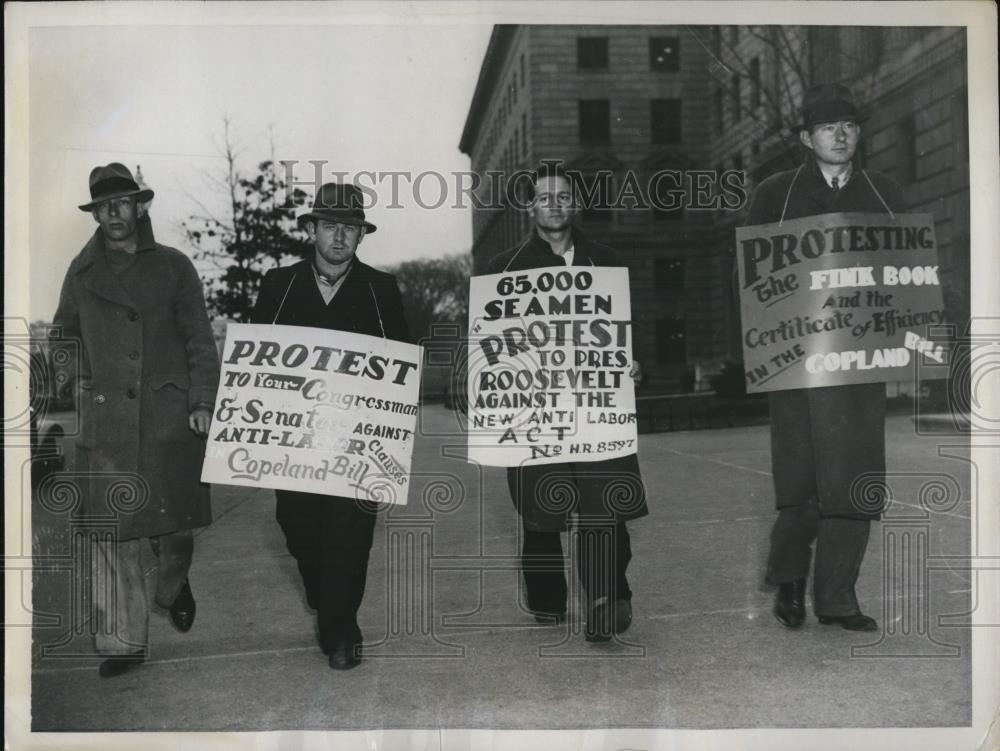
823	439
146	383
330	537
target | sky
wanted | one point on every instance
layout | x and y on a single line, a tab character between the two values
362	98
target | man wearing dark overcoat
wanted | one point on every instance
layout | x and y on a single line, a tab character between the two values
602	495
331	537
146	384
824	439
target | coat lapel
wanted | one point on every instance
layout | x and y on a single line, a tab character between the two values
97	276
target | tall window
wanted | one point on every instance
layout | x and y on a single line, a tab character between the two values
524	134
592	53
595	191
668	274
665	54
595	121
665	120
671	340
906	148
734	86
754	84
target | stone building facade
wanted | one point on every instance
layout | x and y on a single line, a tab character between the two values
634	102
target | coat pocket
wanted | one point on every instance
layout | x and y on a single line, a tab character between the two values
168	394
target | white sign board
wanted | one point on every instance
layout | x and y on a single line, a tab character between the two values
316	411
549	362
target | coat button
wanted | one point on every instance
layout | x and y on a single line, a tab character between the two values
133	355
130	393
99	399
133	316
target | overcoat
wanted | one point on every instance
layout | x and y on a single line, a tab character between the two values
148	356
546	494
828	442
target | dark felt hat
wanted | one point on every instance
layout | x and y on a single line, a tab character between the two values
342	203
828	103
114	181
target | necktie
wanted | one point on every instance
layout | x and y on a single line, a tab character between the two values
836	184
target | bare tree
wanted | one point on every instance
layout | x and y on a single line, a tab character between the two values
251	233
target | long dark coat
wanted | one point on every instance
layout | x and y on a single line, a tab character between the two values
825	439
546	494
148	358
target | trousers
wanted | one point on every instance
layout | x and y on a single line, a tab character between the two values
840	548
120	590
330	539
603	552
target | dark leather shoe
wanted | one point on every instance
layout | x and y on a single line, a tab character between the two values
606	620
183	610
550	619
856	622
790	605
344	656
118	664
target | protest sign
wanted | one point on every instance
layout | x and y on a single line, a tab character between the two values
837	299
316	411
549	362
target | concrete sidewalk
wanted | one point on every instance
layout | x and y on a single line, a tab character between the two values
449	647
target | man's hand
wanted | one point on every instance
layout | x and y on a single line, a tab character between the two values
636	372
199	420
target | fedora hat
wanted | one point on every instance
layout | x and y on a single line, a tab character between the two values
341	203
114	181
828	103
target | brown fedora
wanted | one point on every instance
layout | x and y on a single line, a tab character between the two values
828	103
114	181
342	203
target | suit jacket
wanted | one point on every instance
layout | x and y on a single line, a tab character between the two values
827	442
545	495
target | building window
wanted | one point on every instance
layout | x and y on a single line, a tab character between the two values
671	340
906	149
960	103
592	53
524	134
668	215
754	84
735	94
594	192
668	274
664	54
719	116
665	120
595	121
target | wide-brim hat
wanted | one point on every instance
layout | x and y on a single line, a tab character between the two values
828	103
341	203
114	181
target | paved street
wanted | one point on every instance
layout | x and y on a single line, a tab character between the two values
450	648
